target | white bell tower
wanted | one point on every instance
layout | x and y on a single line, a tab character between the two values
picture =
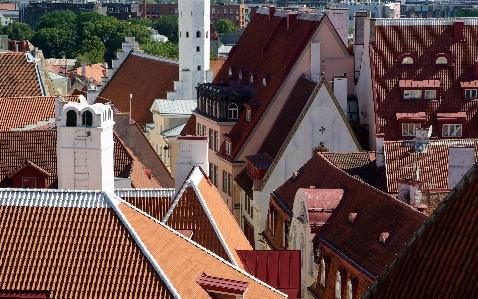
194	48
85	147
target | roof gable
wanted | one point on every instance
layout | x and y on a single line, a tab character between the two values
200	198
440	261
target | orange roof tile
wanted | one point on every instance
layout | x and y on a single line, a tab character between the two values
8	6
200	198
216	65
18	77
18	112
440	261
147	78
94	71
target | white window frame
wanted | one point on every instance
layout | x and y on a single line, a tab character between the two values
233	111
407	126
248	114
338	285
412	94
472	93
228	148
430	94
350	291
216	140
322	272
449	130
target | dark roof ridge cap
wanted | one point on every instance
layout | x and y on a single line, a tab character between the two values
430	220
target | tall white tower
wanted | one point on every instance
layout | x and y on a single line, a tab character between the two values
194	48
85	147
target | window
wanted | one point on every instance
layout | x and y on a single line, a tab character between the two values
322	272
248	206
338	285
412	94
216	175
71	118
211	140
198	49
211	172
233	111
213	11
350	293
87	119
228	148
408	129
198	34
441	60
430	94
273	216
229	184
470	94
452	130
187	34
407	60
199	67
203	130
224	181
225	11
216	140
29	182
231	11
207	34
199	133
285	232
248	115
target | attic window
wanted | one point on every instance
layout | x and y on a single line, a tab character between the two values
384	238
442	59
198	34
470	94
232	111
352	217
251	78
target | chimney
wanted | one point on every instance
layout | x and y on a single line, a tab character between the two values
460	160
272	11
92	92
83	68
409	191
339	17
291	16
339	86
192	151
458	27
380	156
16	47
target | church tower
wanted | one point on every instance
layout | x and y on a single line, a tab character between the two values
85	147
194	48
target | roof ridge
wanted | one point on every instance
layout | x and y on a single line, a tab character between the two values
203	248
155	57
145	192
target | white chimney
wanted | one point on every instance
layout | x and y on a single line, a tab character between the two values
192	151
83	68
460	160
340	91
380	155
409	191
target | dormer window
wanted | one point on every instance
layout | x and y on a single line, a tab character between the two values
251	78
384	238
229	72
29	182
412	94
264	82
232	111
407	60
430	94
408	129
471	94
441	60
240	75
352	217
87	119
452	130
228	148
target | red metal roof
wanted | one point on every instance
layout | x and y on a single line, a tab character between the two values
278	268
222	285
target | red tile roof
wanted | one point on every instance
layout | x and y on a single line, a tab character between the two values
221	285
92	71
199	207
18	77
147	78
265	49
40	148
426	39
400	162
418	83
440	262
377	212
18	112
8	6
278	268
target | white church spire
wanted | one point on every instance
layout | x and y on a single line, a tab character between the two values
194	48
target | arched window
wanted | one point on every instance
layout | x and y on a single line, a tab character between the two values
407	60
350	293
233	111
87	119
441	60
198	34
187	34
338	285
71	118
322	272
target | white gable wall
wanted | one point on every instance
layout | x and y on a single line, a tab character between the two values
322	113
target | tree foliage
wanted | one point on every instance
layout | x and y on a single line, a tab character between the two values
169	27
17	31
168	49
224	26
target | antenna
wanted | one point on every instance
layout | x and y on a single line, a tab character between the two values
130	98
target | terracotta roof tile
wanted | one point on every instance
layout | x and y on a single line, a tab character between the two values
154	202
216	65
358	165
18	77
190	127
400	162
425	38
268	266
265	49
377	212
198	197
94	71
8	6
40	148
440	262
147	78
18	112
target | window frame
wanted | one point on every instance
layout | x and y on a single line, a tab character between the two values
30	180
211	140
447	127
414	128
471	90
405	97
224	181
216	140
228	148
433	91
232	112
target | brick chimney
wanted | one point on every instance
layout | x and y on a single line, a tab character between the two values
409	191
460	160
192	151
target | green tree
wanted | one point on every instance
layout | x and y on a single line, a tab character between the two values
17	31
92	50
142	22
224	26
168	49
61	19
169	27
55	42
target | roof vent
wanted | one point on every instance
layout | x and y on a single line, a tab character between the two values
384	238
352	217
